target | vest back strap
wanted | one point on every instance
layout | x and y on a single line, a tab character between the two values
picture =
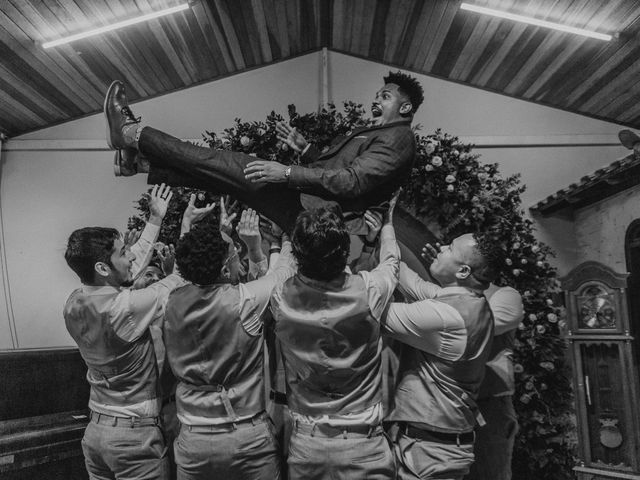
224	395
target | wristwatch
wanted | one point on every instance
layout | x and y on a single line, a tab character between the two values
287	173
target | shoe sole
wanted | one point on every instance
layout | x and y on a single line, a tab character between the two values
116	164
104	109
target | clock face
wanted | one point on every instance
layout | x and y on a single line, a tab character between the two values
596	309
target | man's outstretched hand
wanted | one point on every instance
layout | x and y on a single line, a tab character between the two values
289	135
263	171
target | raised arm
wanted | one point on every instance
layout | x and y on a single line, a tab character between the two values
382	280
428	325
142	246
255	295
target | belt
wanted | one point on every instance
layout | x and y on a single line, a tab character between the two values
229	426
437	437
328	431
131	422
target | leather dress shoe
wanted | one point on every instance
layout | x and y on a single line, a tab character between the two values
118	114
124	162
628	138
128	162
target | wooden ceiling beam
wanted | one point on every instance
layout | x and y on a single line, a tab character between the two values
563	50
230	34
444	24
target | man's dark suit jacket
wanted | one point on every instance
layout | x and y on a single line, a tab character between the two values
361	171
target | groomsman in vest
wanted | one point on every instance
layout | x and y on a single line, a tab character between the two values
359	171
327	322
448	332
213	336
110	325
494	441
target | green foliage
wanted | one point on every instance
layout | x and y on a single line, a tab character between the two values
452	192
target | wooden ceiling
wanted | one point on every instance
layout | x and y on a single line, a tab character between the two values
216	38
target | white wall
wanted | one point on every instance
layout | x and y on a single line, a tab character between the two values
45	194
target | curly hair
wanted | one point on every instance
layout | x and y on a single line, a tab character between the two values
88	246
200	254
320	243
407	85
491	253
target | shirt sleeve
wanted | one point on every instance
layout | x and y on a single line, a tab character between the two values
413	287
134	310
257	270
507	308
143	248
428	325
254	296
382	160
382	280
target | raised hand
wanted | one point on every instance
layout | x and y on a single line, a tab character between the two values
192	214
374	224
270	231
249	229
392	206
226	222
159	199
131	237
290	135
167	256
429	252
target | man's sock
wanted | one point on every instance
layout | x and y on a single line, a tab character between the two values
131	133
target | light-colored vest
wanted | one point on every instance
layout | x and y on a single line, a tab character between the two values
120	373
219	366
441	393
330	344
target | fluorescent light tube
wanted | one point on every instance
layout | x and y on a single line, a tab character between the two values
114	26
535	21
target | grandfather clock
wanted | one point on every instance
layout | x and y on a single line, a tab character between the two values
605	372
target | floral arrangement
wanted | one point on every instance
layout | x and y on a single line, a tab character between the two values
452	192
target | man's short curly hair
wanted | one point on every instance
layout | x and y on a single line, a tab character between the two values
491	253
88	246
407	85
321	243
200	254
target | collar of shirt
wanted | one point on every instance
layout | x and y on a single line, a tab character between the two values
456	290
335	284
100	289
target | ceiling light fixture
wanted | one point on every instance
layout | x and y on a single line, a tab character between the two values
535	21
114	26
